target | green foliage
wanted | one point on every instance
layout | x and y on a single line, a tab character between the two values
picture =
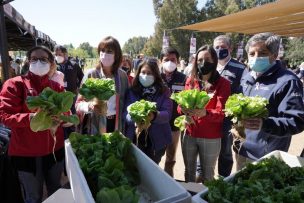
101	89
180	122
50	103
191	99
108	165
134	45
241	107
140	110
294	51
270	180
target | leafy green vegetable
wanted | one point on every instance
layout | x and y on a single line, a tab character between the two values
50	103
109	166
241	107
270	180
140	110
101	89
191	99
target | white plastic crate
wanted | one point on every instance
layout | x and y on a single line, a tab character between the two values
291	160
154	181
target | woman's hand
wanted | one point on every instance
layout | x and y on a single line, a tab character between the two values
253	123
199	112
187	112
99	107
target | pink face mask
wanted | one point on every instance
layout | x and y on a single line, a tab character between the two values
107	60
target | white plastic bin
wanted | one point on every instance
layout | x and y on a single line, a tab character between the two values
291	160
158	184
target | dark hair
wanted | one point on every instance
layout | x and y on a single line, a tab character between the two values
167	51
113	44
152	63
194	72
61	48
50	55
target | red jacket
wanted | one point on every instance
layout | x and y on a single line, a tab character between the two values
210	126
15	115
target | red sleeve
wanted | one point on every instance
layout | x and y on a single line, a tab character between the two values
223	92
12	103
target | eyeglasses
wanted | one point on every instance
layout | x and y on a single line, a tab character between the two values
42	60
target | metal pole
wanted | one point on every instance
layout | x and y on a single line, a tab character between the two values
3	46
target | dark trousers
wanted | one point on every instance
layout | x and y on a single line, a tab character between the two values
225	160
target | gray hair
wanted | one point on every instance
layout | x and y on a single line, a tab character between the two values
223	38
271	41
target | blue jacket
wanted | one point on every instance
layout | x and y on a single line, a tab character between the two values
284	91
233	72
159	131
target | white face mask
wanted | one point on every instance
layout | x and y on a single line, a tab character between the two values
107	60
169	66
59	59
146	80
39	68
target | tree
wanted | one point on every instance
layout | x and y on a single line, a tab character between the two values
88	48
134	45
294	51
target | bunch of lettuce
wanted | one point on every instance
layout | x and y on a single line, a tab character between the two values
102	89
109	166
140	110
241	107
191	99
50	103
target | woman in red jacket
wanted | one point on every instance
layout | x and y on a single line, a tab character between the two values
32	152
203	134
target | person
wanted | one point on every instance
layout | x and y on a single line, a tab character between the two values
137	61
110	58
127	67
72	73
32	152
232	70
203	135
148	85
283	90
175	81
188	69
56	75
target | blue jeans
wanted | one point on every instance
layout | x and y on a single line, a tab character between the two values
32	184
225	160
207	150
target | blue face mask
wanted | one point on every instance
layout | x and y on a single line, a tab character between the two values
222	53
259	64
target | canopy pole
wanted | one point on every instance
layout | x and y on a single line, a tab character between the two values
3	46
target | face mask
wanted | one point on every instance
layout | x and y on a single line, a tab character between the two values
39	68
222	53
169	66
146	80
259	64
107	60
205	67
59	59
126	69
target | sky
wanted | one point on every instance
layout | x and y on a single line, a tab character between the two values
75	21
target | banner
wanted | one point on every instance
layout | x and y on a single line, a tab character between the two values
165	42
192	45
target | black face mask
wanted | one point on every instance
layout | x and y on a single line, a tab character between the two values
205	67
126	69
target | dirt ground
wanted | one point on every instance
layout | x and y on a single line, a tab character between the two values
296	147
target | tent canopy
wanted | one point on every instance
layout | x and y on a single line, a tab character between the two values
283	17
20	34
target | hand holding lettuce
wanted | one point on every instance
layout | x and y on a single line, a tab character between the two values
240	107
98	91
142	112
192	102
51	105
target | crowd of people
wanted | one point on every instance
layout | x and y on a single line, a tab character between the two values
207	137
